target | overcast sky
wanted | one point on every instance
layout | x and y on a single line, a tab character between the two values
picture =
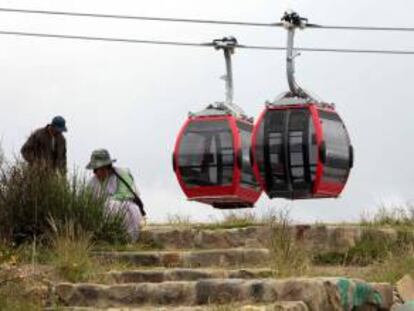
132	99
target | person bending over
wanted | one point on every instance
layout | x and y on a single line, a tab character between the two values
118	187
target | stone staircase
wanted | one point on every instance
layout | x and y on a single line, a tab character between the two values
222	269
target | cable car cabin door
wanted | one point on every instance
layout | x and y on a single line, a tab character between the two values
290	153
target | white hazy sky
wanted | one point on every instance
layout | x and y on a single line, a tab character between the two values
132	99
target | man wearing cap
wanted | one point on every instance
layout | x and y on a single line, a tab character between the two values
118	187
47	146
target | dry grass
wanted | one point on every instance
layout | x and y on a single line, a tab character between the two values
233	220
179	221
390	216
392	269
15	297
288	257
71	247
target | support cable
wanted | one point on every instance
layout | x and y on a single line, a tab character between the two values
144	18
209	44
202	21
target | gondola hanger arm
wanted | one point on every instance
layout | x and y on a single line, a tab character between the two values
292	21
229	45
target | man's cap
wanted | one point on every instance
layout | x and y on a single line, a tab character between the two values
99	158
59	123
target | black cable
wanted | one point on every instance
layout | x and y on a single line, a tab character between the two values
331	50
145	18
88	38
365	28
203	21
192	44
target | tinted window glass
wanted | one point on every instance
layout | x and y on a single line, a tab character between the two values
290	152
274	151
298	126
259	149
206	156
337	142
313	151
247	177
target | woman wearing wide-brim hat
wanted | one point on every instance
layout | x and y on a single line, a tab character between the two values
118	187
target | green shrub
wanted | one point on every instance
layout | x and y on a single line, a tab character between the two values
373	247
29	196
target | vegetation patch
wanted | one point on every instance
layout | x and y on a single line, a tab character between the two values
401	216
233	220
14	297
72	253
31	196
288	257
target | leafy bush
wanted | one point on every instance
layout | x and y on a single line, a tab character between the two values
31	196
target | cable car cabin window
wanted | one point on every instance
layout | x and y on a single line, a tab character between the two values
313	151
273	148
299	149
337	164
206	156
259	150
247	177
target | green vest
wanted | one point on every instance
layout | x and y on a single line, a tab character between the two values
122	192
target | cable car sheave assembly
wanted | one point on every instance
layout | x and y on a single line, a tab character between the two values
300	148
212	153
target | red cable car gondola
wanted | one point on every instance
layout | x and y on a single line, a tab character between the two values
300	146
211	157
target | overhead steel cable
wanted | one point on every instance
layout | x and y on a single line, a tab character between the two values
365	28
330	50
106	39
207	44
202	21
144	18
193	44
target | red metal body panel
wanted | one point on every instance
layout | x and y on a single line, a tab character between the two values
234	193
323	188
256	128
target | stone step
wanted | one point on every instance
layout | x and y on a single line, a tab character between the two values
319	294
165	275
192	259
319	238
278	306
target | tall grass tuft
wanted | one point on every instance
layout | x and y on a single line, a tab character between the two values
288	257
392	216
71	247
29	196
